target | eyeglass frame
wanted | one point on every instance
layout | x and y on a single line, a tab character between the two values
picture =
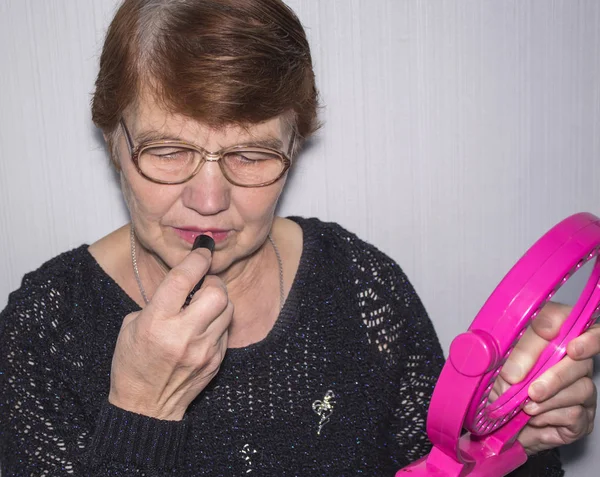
206	156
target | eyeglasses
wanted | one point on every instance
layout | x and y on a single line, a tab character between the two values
176	162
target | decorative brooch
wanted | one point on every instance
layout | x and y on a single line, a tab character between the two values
324	409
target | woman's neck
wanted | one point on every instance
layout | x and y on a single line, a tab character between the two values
252	286
255	294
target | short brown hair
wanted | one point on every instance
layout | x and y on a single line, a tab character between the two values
220	62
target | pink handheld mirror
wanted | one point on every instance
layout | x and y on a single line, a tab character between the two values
460	400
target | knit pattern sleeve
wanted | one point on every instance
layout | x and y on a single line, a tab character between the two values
403	342
402	333
48	429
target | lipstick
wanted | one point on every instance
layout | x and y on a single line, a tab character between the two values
201	241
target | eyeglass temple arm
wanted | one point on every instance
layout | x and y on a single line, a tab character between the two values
292	144
127	136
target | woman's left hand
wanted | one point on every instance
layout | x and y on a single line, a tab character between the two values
563	399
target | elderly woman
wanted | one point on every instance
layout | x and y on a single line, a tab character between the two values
305	351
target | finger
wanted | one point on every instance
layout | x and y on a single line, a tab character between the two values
558	377
535	439
211	356
179	282
219	326
573	419
551	317
499	387
586	345
581	392
211	281
205	282
222	346
523	356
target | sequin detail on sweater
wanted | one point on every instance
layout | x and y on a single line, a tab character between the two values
340	386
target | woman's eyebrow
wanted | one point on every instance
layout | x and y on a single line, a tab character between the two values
152	136
271	143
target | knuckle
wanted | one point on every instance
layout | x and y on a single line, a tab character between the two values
163	342
210	357
591	415
174	354
576	414
215	281
549	438
173	349
589	366
217	357
217	296
554	379
553	314
563	377
589	388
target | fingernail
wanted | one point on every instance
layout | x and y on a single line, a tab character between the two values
538	390
204	241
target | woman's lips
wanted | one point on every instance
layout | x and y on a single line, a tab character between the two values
189	235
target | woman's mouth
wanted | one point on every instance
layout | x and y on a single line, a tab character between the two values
189	234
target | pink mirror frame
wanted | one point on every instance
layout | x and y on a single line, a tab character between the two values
460	399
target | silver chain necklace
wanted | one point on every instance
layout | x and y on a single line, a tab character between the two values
143	291
280	266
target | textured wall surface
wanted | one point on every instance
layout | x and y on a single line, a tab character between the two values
456	132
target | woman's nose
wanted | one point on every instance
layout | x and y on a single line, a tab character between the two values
208	192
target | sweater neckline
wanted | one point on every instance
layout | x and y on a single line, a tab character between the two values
289	312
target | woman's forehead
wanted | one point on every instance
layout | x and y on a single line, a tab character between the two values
148	121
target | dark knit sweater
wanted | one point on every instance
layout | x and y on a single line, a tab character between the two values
339	387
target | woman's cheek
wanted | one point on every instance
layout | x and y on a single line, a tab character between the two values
127	194
147	202
260	203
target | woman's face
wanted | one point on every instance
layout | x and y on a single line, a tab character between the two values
168	218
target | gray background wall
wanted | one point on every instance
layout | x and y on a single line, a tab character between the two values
456	132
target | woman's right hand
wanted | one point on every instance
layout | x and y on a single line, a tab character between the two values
165	355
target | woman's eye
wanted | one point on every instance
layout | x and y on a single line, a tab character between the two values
169	154
247	158
253	156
